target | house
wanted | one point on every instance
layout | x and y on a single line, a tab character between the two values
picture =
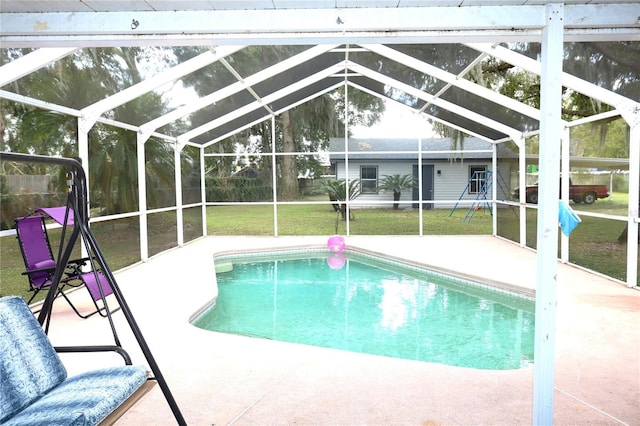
447	176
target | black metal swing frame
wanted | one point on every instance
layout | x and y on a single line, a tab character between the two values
77	202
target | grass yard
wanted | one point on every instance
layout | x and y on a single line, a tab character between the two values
594	244
316	219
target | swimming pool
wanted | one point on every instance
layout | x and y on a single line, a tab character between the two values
363	303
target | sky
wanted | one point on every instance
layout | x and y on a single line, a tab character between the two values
396	122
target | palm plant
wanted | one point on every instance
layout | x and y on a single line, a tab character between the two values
396	183
337	191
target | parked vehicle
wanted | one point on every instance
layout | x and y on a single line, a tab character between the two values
587	194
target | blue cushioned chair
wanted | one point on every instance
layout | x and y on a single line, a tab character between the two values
34	388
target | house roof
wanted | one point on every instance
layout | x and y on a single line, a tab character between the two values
389	149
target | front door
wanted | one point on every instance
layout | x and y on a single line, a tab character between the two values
427	185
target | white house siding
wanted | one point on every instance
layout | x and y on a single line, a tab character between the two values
452	183
448	186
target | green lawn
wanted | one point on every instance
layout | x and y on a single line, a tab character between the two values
322	220
594	244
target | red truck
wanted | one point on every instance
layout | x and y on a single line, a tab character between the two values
587	194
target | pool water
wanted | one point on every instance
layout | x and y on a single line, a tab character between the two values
371	306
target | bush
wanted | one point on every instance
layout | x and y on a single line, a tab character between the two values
234	189
20	205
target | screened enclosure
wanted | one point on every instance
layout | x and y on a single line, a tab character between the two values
216	118
177	135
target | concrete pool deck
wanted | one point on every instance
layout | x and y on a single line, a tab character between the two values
225	379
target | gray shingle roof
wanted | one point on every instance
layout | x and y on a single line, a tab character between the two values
407	148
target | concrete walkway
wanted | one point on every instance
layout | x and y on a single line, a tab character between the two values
225	379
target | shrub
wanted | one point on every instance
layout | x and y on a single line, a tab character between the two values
234	189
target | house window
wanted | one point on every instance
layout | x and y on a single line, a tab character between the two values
332	170
477	179
369	179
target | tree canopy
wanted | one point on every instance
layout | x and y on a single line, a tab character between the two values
91	74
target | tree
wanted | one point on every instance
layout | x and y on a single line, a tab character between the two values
611	65
308	127
303	129
396	183
77	81
453	58
337	191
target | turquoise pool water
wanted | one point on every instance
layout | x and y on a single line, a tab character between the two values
368	305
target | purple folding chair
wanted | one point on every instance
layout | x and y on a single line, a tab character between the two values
40	266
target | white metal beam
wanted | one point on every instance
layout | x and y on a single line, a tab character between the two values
623	104
295	86
423	113
513	133
148	85
75	113
452	79
138	24
235	87
456	109
270	117
32	61
48	106
306	25
591	119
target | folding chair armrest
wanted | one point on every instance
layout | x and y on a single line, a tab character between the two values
73	266
76	263
71	273
99	348
31	271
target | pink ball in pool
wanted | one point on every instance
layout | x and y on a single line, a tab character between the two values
336	260
336	244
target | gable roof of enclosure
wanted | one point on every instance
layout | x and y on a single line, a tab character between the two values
376	32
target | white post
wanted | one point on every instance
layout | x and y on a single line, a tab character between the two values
522	186
84	125
565	167
346	157
634	184
547	232
178	179
142	197
203	192
494	190
420	177
274	175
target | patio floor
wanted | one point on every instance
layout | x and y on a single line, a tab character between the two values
220	379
